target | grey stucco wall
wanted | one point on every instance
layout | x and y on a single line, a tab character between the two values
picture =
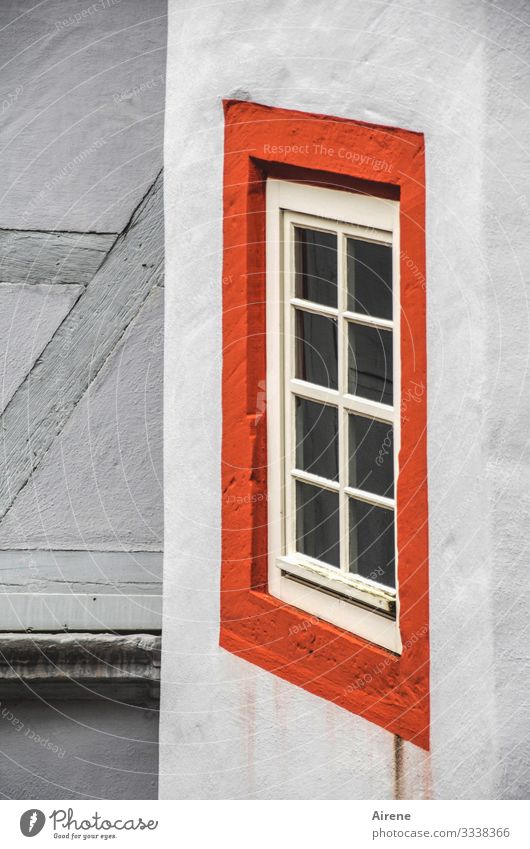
82	119
457	71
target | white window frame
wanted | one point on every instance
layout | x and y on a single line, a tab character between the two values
351	602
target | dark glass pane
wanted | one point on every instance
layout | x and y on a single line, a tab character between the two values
371	455
317	439
372	542
316	349
317	523
369	278
316	266
370	363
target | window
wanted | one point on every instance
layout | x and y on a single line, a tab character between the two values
333	351
324	573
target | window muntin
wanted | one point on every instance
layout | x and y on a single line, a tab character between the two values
338	289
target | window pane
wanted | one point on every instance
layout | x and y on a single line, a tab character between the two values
370	363
317	523
372	542
316	266
316	349
369	278
371	455
317	439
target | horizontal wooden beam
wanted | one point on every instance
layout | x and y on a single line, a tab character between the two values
33	256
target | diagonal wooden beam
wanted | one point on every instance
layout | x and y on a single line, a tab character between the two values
42	404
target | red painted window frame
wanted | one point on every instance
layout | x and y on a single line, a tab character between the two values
261	141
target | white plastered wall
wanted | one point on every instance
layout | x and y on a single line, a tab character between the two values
458	72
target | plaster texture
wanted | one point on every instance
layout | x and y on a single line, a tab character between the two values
457	71
99	487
